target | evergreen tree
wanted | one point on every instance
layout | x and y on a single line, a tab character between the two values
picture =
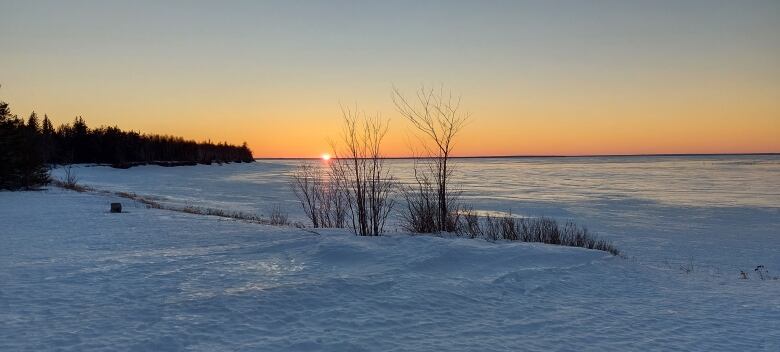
47	139
46	127
32	123
21	162
7	147
32	169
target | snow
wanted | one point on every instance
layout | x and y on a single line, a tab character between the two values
723	212
75	277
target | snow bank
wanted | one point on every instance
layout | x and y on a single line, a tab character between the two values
75	277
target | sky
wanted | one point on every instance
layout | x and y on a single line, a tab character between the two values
538	77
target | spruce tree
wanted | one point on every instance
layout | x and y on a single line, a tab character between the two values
32	123
47	140
21	164
7	147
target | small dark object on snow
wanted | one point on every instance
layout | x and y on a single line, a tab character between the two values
116	207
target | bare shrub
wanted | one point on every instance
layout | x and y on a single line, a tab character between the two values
333	200
491	228
688	267
763	273
508	228
305	182
492	231
361	172
436	114
422	205
71	179
470	226
544	230
278	216
320	194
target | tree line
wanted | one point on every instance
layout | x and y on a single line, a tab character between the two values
28	147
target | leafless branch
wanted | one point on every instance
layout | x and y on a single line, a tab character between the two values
437	115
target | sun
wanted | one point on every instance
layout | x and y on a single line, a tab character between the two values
325	157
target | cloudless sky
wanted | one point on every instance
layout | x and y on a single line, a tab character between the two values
539	77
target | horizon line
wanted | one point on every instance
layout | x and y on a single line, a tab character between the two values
547	156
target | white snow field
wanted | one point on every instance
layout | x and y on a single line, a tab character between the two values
75	277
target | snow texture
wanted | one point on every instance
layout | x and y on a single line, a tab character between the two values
75	277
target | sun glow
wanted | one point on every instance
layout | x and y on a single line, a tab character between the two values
325	157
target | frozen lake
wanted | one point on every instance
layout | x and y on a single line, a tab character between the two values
721	212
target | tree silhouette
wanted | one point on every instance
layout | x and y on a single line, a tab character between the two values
27	147
21	160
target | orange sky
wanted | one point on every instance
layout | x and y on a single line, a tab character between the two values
539	79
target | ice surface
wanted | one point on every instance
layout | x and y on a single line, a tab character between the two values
75	277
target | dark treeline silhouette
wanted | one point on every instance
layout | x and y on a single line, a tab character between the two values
77	143
27	147
21	154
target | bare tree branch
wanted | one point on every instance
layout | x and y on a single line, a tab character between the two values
437	115
361	169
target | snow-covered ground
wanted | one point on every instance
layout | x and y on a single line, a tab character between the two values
721	212
75	277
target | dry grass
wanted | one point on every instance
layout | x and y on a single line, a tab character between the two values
277	217
544	230
71	186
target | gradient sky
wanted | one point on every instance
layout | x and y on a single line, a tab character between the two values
539	77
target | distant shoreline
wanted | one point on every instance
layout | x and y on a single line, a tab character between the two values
553	156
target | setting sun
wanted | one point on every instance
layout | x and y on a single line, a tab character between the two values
325	157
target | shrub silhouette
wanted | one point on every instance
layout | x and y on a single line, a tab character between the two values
544	230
